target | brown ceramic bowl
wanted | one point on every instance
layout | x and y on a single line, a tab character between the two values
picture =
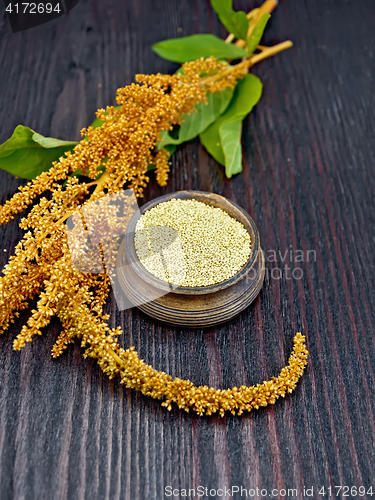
196	307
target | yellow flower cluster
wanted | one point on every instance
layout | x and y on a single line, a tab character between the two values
123	146
125	142
136	374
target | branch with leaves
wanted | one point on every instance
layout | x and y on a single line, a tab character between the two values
217	121
208	96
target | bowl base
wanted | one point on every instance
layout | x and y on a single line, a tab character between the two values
196	311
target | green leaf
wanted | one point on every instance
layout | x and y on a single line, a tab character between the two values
221	139
234	22
195	123
253	41
190	48
212	142
27	154
50	142
230	138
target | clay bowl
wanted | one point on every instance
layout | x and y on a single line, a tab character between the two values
195	307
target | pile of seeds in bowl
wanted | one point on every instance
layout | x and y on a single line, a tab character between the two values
191	244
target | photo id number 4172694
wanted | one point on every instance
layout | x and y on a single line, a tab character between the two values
25	15
33	8
342	491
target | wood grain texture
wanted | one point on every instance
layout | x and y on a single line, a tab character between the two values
66	431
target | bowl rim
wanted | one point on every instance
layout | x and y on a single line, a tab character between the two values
129	246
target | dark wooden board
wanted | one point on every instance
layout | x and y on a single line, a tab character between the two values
66	431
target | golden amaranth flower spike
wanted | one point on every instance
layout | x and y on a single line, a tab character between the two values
125	144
